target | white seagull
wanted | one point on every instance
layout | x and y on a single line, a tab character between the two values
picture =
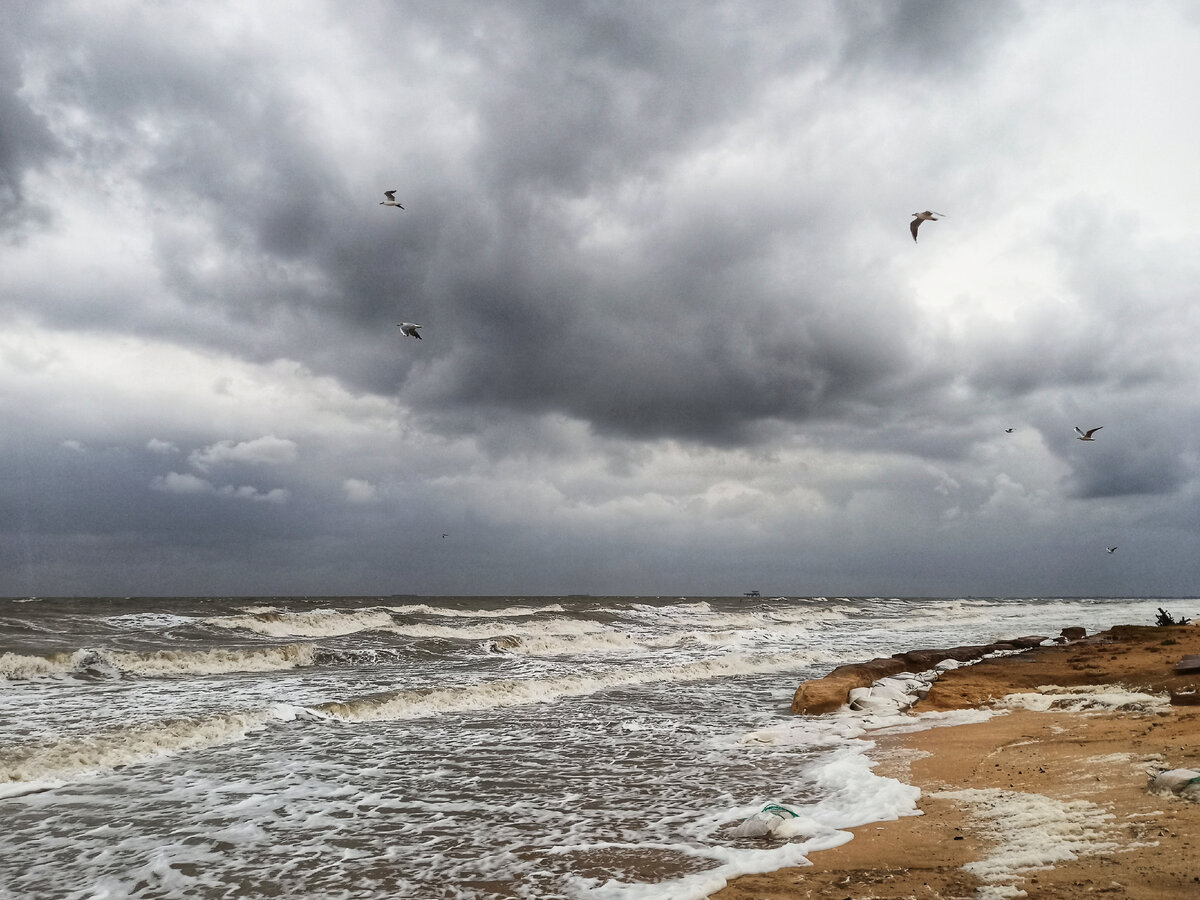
920	217
1086	435
1008	431
1111	549
409	329
391	199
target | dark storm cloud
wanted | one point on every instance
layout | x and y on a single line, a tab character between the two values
25	140
1142	469
640	237
581	94
922	36
676	336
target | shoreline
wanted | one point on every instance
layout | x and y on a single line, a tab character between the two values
1048	798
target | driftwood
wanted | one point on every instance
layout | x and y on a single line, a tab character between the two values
1165	618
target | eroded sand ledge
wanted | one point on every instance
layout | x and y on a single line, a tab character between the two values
1042	804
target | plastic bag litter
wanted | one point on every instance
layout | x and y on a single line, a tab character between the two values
764	822
1184	782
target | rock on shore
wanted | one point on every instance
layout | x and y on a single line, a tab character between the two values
822	695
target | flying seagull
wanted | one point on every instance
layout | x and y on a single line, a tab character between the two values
1086	435
391	199
919	218
1111	549
1008	431
444	536
409	329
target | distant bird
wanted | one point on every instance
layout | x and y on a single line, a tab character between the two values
391	199
919	218
444	535
1111	549
1086	435
1008	431
409	329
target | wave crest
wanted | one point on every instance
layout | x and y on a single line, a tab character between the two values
317	623
157	663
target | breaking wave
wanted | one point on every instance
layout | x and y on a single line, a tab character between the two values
603	639
159	663
408	704
317	623
421	609
48	763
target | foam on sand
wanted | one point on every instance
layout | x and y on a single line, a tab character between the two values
851	795
1031	832
1087	698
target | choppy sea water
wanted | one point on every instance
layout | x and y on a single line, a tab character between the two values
430	748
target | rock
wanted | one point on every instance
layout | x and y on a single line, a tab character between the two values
1030	640
1074	633
1187	665
826	694
822	695
923	660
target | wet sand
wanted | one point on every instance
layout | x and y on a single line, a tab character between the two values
1036	802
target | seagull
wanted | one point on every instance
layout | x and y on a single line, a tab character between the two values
1008	431
919	218
1086	436
444	536
391	199
409	329
1111	549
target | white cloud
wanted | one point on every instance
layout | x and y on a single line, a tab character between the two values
186	483
181	483
74	446
266	450
246	492
154	445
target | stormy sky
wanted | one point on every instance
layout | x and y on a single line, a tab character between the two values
677	338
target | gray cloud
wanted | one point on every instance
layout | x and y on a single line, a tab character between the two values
25	139
674	324
930	37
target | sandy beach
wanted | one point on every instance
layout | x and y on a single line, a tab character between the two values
1048	798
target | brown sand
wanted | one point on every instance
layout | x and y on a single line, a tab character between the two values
1131	843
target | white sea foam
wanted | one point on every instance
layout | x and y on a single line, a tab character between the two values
1087	698
488	630
675	783
159	663
1031	832
673	611
512	612
149	620
410	704
851	795
562	637
599	641
702	615
844	725
25	768
317	623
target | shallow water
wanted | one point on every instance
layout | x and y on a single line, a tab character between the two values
443	747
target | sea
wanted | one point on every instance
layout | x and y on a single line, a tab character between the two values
438	748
